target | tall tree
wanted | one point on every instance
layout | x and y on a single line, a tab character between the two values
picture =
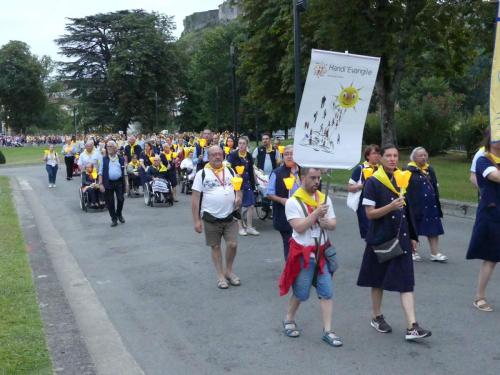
407	34
208	96
266	60
22	93
123	66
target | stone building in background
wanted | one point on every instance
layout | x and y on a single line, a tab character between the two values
228	11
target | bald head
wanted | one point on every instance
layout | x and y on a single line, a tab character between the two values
215	156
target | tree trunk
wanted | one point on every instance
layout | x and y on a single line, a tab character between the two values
387	106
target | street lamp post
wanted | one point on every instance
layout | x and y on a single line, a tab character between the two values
156	110
74	118
233	86
298	7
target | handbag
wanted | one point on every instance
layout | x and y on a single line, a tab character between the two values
353	198
390	249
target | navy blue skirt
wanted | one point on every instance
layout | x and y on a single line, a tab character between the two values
395	275
485	240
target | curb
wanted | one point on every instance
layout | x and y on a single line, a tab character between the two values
465	210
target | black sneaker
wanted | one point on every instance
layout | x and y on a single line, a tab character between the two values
416	332
380	324
114	223
121	219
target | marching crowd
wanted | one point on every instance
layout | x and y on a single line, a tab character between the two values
395	207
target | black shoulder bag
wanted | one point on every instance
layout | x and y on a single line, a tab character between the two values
389	249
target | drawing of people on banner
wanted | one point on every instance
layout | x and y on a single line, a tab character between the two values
324	135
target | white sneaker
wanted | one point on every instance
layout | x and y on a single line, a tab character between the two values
416	257
53	185
50	185
252	231
439	257
242	232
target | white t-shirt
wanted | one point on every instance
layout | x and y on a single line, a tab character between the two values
217	200
477	155
187	163
293	210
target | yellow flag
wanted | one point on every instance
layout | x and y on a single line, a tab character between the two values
495	86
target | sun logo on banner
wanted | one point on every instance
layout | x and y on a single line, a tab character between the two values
320	69
349	96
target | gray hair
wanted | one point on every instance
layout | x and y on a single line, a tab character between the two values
414	152
288	147
111	143
211	149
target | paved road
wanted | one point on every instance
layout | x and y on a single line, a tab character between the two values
154	277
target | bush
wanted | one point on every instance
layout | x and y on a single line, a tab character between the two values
471	130
428	116
372	132
2	158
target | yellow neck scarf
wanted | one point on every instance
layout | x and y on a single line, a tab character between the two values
384	179
269	149
134	164
424	169
368	165
162	167
218	170
304	196
495	159
242	155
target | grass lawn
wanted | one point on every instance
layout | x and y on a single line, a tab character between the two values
452	171
23	349
23	155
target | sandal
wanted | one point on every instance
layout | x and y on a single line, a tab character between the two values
332	339
482	305
222	284
233	280
290	328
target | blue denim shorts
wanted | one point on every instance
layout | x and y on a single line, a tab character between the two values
303	282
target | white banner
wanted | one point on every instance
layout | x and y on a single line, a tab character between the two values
332	115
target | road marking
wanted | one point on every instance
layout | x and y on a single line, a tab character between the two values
103	341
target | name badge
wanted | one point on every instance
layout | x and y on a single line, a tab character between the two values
315	231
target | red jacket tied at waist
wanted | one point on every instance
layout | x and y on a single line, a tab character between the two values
292	266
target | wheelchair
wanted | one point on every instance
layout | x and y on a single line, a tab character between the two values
158	191
85	201
185	182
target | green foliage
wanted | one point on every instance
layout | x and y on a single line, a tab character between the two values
23	349
21	88
121	62
371	134
2	158
266	61
471	130
208	90
428	115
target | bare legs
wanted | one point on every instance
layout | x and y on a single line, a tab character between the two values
485	273
434	244
326	311
407	303
217	259
377	295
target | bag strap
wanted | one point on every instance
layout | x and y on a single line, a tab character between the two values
317	241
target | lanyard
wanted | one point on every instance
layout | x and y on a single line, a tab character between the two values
223	181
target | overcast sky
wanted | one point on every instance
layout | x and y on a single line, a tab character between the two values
39	22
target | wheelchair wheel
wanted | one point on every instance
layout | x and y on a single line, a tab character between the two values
147	195
260	209
83	201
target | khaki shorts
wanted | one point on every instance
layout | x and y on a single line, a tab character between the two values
215	231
